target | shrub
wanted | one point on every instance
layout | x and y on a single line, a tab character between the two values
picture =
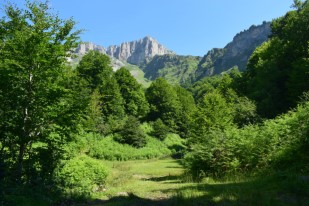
277	144
131	133
108	149
175	144
160	130
80	176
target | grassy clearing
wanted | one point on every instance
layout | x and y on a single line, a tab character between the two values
161	182
145	179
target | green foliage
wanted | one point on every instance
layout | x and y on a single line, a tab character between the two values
277	144
242	109
174	68
95	68
138	74
160	130
135	102
173	105
108	149
264	82
131	133
164	103
187	111
277	71
244	112
81	176
94	120
112	101
214	112
41	101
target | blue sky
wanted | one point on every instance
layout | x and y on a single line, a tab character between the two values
184	26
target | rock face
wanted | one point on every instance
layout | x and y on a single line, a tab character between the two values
234	54
137	52
83	48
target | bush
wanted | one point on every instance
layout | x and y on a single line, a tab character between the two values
131	133
160	130
81	176
278	144
175	144
108	149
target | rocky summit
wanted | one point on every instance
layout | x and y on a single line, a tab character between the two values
137	52
88	46
134	52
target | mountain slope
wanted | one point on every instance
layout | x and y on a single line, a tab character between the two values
174	68
188	69
234	54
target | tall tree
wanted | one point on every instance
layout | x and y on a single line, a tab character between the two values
95	68
277	72
132	93
187	111
38	102
164	103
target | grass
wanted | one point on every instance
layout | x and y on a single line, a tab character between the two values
145	179
138	74
161	182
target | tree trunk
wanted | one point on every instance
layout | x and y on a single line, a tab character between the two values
20	161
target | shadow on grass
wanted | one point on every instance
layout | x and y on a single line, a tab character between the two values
174	178
258	191
133	200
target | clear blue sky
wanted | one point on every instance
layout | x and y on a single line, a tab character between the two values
184	26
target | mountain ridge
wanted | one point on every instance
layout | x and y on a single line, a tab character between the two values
234	54
156	60
139	51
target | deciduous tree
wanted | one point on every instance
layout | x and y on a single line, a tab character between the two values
38	94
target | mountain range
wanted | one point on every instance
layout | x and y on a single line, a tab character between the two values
147	59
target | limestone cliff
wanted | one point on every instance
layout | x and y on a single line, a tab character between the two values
234	54
83	48
138	52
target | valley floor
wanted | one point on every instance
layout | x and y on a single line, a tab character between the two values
161	182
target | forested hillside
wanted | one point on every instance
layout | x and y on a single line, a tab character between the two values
79	134
175	69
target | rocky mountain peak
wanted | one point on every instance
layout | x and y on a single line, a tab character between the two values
137	52
85	47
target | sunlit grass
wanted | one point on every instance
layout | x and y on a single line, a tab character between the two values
162	182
